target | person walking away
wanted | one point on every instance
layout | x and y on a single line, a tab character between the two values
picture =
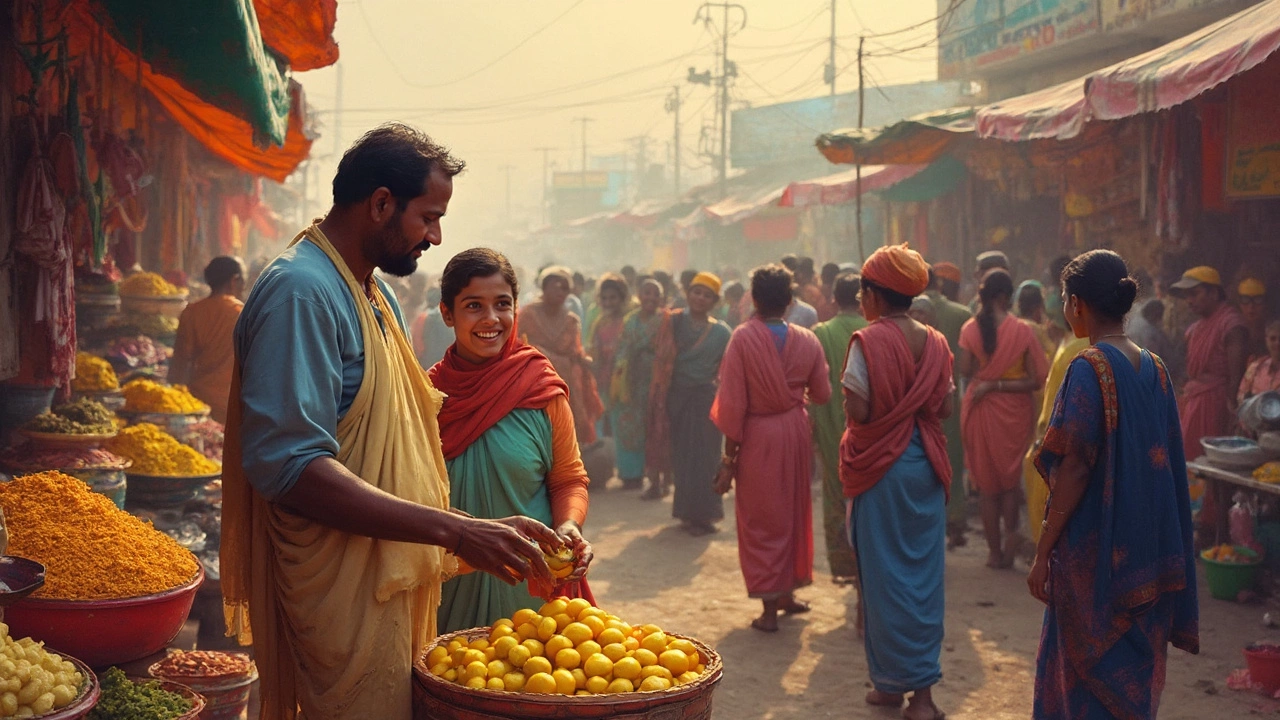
336	532
506	432
606	334
800	313
1253	308
769	369
1005	366
1216	354
1146	328
828	426
923	312
943	292
1263	374
829	308
1030	305
629	387
807	288
1115	564
734	293
691	345
555	330
898	387
1036	488
204	352
986	262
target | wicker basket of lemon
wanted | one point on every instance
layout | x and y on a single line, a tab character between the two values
566	660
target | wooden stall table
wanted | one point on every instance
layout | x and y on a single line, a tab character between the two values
1219	481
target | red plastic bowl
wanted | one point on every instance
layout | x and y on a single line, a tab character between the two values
1264	665
85	701
106	632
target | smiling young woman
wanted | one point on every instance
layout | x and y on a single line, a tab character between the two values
506	429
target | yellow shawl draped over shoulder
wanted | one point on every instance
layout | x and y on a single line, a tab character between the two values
336	619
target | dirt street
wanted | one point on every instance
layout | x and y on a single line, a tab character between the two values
647	570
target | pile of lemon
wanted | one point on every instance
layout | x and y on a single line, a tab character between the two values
568	647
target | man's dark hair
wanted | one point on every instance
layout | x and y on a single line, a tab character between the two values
771	289
894	299
1056	266
396	157
845	290
830	271
790	262
686	277
222	270
471	264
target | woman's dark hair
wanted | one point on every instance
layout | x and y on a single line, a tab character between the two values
995	285
615	282
830	271
394	156
222	270
475	263
1030	299
1102	280
845	290
894	299
771	289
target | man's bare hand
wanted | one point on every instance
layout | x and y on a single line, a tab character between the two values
507	548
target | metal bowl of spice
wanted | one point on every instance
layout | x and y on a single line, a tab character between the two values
225	679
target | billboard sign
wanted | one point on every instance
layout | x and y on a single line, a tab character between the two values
979	34
1119	15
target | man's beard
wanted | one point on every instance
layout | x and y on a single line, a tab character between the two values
404	265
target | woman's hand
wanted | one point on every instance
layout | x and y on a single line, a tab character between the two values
981	388
1038	580
571	535
724	479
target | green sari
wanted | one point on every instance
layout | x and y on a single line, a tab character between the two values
828	427
501	474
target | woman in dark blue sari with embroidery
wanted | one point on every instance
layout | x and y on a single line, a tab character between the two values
1115	562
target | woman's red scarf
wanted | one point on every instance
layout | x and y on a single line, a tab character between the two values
481	395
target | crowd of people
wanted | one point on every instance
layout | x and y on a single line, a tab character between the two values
1050	395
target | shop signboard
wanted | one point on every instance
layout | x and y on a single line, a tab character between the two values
975	35
1120	15
1253	137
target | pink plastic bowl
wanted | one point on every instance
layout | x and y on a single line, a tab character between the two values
106	632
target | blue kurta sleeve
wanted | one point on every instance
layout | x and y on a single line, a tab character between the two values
291	385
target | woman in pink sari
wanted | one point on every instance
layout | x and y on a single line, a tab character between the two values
1005	366
768	369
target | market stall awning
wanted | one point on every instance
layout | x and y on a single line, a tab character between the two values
1052	113
214	49
915	141
843	187
300	31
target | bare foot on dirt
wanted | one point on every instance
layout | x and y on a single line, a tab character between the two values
883	699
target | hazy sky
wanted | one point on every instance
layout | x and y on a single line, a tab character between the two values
493	79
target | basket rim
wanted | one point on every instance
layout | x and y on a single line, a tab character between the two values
714	669
1257	558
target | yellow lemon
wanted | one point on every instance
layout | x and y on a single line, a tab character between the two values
598	665
686	678
683	646
540	683
498	668
568	659
478	669
595	624
597	685
655	684
504	622
575	607
514	681
519	655
588	648
565	684
480	645
579	678
645	657
437	655
477	683
537	665
526	631
502	648
535	648
650	629
475	656
614	652
675	661
611	635
496	683
700	668
439	669
522	616
546	628
578	633
617	624
459	656
620	685
627	668
563	621
556	644
451	675
555	607
490	654
655	643
631	644
500	632
592	612
456	644
656	671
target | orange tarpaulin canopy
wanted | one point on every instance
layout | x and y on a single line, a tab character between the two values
224	134
300	31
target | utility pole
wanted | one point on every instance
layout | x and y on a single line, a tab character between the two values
862	91
545	162
829	71
728	70
673	106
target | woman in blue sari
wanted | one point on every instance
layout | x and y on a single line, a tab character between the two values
1115	562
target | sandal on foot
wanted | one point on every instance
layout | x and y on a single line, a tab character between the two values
795	608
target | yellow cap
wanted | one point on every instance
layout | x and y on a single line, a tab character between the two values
707	280
1251	287
1199	275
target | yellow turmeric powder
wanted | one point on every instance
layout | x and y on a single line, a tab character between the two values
148	284
91	549
148	396
93	373
156	452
